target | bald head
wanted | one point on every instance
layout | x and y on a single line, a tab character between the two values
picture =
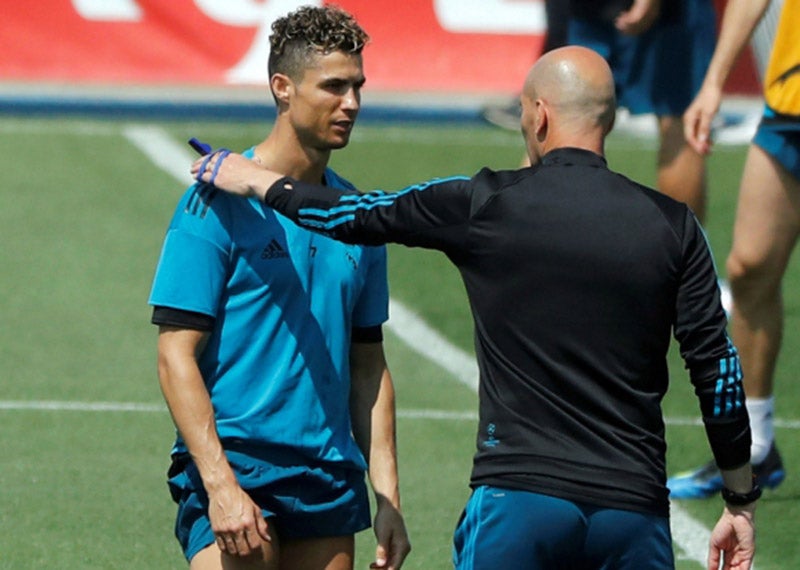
574	87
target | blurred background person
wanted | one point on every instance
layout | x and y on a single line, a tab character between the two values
506	115
767	223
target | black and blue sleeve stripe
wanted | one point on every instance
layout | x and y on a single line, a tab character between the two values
728	391
416	215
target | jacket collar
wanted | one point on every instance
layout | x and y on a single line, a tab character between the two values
573	156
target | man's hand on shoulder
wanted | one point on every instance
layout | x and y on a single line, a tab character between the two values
234	173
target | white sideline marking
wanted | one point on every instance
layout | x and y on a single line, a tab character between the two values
429	343
408	413
78	406
162	150
691	536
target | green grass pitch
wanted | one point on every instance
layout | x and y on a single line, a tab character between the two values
82	218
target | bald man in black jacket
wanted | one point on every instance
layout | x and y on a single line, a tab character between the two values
577	278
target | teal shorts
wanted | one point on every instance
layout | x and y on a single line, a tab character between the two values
779	137
505	528
305	501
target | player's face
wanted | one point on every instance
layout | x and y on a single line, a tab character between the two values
326	101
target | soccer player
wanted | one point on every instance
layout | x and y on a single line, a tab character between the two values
270	350
576	277
658	51
766	228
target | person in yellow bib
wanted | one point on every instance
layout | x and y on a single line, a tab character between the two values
782	80
766	228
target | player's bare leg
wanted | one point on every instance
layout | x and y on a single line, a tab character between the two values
765	232
330	553
681	170
764	235
265	558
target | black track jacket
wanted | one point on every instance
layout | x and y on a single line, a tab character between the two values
577	277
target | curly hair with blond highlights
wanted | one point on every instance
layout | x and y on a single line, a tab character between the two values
310	31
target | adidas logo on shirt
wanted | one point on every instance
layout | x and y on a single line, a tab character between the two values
274	250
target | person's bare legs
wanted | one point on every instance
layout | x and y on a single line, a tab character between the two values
681	170
765	232
266	558
329	553
764	235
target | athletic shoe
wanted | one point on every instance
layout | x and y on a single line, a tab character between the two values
505	116
707	480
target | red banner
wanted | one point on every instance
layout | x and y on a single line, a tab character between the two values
479	46
416	44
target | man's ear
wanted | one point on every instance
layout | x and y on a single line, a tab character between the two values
611	124
541	119
282	87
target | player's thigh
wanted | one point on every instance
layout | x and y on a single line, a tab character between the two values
327	553
625	540
767	215
212	558
675	152
503	528
671	137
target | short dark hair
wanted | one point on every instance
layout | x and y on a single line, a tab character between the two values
312	30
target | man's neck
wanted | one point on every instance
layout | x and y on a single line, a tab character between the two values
282	152
591	143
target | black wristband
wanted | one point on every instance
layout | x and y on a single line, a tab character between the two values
741	499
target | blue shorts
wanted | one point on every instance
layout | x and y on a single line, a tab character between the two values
661	70
780	138
305	501
504	528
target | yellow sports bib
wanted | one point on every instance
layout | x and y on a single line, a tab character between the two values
782	80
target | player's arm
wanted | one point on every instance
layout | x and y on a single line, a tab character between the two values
235	519
738	22
712	359
715	372
733	537
372	409
433	214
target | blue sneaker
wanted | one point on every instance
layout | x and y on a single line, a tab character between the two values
707	480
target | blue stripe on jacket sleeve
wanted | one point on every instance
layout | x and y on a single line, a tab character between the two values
728	392
348	204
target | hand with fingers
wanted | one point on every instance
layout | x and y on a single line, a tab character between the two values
698	117
732	545
231	171
393	543
208	165
237	522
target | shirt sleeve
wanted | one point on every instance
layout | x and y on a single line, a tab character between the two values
193	266
372	306
433	214
710	356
